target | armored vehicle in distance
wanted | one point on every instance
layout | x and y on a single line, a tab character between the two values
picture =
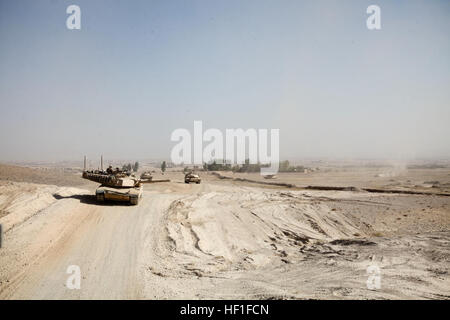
191	177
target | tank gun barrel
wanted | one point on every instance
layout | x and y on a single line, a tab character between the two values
153	180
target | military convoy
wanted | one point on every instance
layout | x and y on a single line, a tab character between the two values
118	185
121	185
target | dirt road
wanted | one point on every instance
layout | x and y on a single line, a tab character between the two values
218	240
105	241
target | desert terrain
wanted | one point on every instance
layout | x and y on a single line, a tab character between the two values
234	236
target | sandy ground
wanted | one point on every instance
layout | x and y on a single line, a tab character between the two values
59	176
436	180
222	239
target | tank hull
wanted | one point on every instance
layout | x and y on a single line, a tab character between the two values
130	195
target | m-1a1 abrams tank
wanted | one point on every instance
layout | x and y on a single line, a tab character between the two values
116	184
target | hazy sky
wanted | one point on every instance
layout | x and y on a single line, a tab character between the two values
137	70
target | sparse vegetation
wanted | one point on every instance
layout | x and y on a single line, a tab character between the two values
286	167
248	167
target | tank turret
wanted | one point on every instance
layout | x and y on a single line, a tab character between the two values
117	179
116	184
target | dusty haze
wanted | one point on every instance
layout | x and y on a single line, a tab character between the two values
136	72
